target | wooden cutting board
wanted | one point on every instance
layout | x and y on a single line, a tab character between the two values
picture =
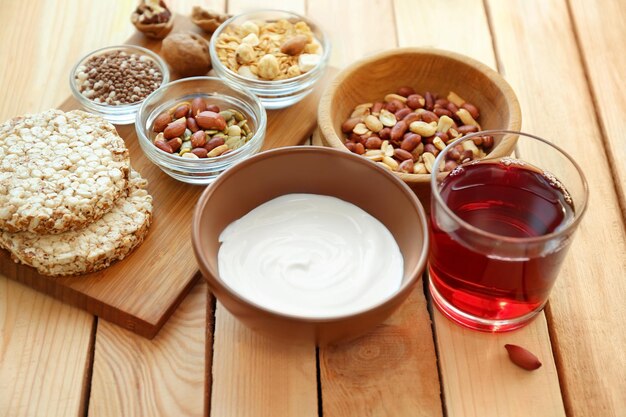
140	292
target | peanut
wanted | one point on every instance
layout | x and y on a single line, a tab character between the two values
349	124
175	128
392	97
398	130
415	101
467	118
162	145
197	105
360	129
423	129
387	118
410	142
373	142
405	91
181	111
429	161
217	151
373	123
522	357
473	110
210	120
390	162
161	122
402	155
406	166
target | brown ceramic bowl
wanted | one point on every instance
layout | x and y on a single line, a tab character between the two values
424	69
316	170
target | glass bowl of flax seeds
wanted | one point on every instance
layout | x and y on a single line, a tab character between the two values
113	82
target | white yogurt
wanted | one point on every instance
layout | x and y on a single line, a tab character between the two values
311	256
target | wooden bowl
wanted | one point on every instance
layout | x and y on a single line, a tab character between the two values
315	170
424	69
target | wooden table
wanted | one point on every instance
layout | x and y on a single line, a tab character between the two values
565	60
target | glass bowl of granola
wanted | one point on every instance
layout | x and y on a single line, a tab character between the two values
277	55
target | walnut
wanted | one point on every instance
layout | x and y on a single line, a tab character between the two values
187	54
153	19
207	20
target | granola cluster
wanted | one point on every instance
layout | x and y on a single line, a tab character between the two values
273	50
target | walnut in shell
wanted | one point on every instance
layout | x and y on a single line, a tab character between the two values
187	54
207	20
153	19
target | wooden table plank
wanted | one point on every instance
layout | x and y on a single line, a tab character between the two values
356	28
392	370
45	349
586	312
257	376
134	376
600	26
480	380
477	378
252	375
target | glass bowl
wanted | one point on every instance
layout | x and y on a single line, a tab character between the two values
280	93
205	170
117	114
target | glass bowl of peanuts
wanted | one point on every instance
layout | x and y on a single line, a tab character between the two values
195	128
401	107
278	55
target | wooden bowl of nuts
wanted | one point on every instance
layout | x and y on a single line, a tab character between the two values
401	107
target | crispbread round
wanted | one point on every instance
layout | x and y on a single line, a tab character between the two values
90	249
59	171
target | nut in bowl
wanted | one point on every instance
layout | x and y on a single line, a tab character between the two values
113	82
195	128
401	107
315	306
278	55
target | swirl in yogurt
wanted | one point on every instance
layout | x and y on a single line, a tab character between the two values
310	255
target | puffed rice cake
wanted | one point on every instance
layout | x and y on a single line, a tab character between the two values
90	249
59	171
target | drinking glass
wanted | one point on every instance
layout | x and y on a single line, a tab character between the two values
500	228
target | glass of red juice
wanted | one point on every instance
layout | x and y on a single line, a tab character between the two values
500	228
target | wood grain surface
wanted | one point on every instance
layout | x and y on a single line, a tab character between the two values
256	376
163	376
45	350
586	309
598	27
391	371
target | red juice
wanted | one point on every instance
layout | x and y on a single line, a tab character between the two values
507	198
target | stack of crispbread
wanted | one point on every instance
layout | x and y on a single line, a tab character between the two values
70	202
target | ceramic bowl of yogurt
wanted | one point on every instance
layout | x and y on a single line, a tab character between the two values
310	243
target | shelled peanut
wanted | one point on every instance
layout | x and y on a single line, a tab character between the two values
195	129
406	131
